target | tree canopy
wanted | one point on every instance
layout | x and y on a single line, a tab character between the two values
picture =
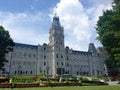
6	44
108	29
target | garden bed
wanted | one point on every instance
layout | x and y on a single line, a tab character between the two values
60	84
41	85
19	85
93	84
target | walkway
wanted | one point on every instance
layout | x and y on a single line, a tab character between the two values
113	83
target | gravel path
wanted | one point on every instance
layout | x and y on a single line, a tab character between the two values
113	83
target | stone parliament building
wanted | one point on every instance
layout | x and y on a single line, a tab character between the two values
54	58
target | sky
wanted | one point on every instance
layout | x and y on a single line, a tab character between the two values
29	21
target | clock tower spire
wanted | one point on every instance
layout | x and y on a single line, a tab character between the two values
56	43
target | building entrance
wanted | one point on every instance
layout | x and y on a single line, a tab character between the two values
60	71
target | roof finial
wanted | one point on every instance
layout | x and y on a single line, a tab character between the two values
55	10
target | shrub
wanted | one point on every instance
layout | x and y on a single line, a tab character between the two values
90	80
23	79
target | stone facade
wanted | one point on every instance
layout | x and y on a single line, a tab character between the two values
54	58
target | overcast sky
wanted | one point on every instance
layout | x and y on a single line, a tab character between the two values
29	21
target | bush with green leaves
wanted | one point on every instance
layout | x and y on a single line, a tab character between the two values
91	80
23	79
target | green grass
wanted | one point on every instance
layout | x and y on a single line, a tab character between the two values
117	87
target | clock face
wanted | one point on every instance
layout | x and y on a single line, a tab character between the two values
56	23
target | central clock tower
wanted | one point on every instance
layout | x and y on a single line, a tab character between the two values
56	43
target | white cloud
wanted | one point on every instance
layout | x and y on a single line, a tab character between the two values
25	27
94	12
98	2
79	22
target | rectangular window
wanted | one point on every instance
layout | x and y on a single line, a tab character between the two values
44	57
56	55
62	63
61	56
44	63
57	63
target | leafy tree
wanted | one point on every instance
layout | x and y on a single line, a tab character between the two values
108	29
6	44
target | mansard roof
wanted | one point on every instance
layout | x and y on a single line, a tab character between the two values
20	45
81	52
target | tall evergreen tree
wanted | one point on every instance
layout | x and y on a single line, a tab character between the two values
108	29
6	44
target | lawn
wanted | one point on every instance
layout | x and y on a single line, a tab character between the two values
117	87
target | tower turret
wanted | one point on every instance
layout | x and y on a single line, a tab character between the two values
92	48
56	21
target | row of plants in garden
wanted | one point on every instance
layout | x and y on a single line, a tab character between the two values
93	81
23	79
49	81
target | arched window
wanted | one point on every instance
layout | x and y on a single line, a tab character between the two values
44	48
